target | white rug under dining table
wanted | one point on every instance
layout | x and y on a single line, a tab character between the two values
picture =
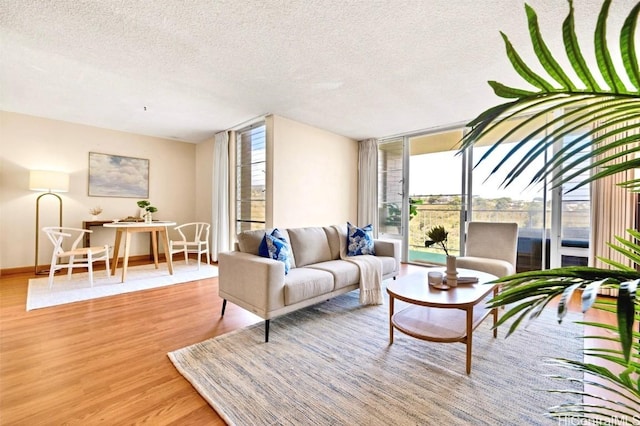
142	277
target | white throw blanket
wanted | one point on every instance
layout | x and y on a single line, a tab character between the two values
370	273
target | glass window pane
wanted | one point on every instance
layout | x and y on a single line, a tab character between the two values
251	178
435	185
390	187
576	202
520	202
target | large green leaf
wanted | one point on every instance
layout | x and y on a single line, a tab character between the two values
574	54
623	107
544	55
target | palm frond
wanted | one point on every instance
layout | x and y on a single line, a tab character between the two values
537	288
612	114
609	108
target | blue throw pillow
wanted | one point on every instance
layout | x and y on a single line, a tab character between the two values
279	250
262	249
359	240
275	246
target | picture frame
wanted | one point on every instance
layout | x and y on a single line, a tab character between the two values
118	176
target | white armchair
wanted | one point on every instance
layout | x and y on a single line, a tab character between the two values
491	248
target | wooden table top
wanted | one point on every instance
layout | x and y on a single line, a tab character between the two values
415	289
155	223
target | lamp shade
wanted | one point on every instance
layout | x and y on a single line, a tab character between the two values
46	180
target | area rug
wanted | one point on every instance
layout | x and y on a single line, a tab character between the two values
331	364
143	277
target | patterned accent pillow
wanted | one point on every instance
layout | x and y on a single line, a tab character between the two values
276	247
279	250
262	249
359	240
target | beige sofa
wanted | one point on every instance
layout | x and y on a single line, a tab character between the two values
259	284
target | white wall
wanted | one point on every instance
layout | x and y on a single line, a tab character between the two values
314	179
28	142
314	176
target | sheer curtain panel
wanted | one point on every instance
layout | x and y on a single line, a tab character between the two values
368	183
220	198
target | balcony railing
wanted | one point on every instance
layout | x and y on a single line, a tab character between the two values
530	232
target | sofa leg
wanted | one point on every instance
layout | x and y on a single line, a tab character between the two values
224	306
266	331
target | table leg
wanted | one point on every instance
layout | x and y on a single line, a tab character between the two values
116	251
391	309
125	259
469	337
165	243
154	247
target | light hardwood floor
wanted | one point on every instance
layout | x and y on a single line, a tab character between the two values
105	361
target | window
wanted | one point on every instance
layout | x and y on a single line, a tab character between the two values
251	169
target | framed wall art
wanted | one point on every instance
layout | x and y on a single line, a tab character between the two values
118	176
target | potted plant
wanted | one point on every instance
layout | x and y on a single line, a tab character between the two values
609	109
439	235
95	211
148	208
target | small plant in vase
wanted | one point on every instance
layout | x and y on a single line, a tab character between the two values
95	211
148	208
439	235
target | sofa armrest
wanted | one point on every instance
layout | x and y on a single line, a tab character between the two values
256	283
390	248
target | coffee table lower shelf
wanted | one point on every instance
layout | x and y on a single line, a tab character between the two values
438	324
444	325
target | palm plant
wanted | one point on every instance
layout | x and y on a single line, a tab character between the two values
609	111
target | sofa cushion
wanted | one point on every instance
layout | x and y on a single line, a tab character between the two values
359	240
278	249
309	245
344	273
497	267
334	237
249	241
305	283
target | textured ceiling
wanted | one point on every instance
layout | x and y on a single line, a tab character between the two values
359	68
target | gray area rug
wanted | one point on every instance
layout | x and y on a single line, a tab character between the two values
331	364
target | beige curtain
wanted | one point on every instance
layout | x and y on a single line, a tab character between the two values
368	183
613	211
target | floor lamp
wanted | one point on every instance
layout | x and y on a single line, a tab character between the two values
52	182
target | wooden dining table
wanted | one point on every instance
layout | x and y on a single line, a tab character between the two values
129	228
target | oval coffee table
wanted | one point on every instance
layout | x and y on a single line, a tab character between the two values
441	315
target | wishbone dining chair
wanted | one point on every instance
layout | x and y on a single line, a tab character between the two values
194	238
78	257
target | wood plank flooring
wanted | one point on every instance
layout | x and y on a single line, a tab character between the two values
104	361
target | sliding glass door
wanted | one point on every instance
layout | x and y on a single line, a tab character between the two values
424	181
436	193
